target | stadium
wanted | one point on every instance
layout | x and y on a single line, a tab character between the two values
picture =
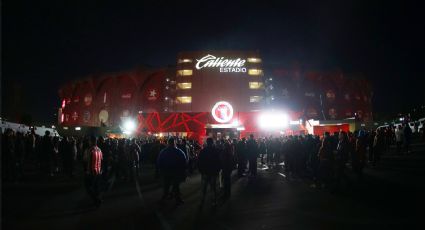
216	93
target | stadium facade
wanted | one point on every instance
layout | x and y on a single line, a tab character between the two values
217	93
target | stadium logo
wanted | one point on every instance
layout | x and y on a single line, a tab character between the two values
222	111
224	65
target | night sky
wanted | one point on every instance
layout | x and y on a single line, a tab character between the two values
47	44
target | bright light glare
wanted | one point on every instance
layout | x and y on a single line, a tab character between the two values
273	120
129	126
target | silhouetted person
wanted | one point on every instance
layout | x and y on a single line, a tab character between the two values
407	134
172	165
313	157
19	154
341	157
134	154
8	155
209	167
379	146
56	156
252	154
227	159
154	152
370	143
47	154
122	160
262	149
399	138
326	160
67	152
93	158
182	145
359	156
241	156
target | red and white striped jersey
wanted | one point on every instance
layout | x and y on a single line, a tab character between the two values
95	160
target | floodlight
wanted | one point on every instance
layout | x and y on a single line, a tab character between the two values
128	126
273	120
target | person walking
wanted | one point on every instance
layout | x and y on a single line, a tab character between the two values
56	156
209	167
241	156
172	164
93	158
252	153
325	161
341	157
47	154
19	155
370	142
67	152
154	152
359	156
398	138
134	158
262	150
407	134
379	146
8	155
228	163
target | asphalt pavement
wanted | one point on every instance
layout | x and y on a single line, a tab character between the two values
272	200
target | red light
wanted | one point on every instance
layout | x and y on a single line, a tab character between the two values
62	117
63	103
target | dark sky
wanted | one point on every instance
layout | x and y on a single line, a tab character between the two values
45	44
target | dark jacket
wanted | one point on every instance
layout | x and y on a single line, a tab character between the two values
252	149
342	152
241	151
209	161
172	162
227	158
47	148
262	148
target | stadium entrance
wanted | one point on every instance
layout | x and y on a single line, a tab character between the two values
226	133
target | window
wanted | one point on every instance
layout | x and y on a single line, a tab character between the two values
185	60
255	71
184	99
255	99
184	85
184	72
255	85
254	60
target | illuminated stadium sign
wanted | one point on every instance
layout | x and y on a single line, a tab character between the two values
225	65
222	111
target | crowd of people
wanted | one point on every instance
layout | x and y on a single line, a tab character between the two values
325	160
